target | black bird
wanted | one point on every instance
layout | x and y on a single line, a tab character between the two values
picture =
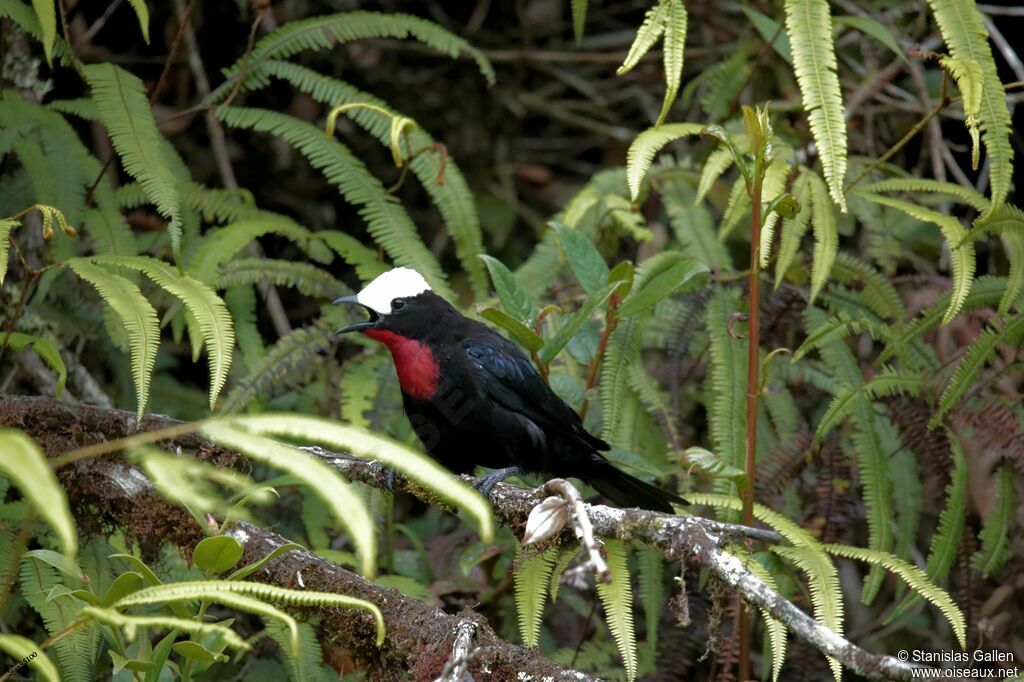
475	400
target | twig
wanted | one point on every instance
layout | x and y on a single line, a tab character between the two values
457	667
581	525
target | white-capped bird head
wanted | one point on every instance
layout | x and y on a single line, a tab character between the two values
395	283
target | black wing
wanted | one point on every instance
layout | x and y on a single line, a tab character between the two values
514	383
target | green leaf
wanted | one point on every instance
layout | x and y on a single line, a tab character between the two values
47	15
26	466
712	465
961	250
583	257
771	31
139	320
210	313
62	562
120	663
963	29
123	585
661	286
197	652
19	649
672	54
142	13
968	76
246	571
124	110
995	532
185	624
646	145
569	329
888	382
617	599
515	299
579	19
826	235
809	25
531	578
217	554
525	336
646	36
44	348
875	29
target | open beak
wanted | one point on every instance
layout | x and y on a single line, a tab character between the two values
358	326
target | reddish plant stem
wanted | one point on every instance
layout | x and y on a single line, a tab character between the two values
611	321
753	390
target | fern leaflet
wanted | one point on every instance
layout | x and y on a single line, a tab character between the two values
531	578
617	599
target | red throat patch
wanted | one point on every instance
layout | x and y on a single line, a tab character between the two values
414	362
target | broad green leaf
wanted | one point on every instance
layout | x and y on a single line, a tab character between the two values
217	554
26	466
583	257
875	29
246	571
123	585
661	286
62	562
515	299
525	336
569	329
197	652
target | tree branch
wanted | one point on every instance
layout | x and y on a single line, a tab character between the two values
58	427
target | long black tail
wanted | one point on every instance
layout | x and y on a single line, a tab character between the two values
628	491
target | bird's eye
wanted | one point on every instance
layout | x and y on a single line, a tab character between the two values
398	304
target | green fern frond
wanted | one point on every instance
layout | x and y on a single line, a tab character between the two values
968	76
737	208
241	303
138	318
915	578
774	185
221	245
76	652
334	491
1014	244
727	406
22	15
725	82
826	234
417	467
964	33
718	161
579	19
809	26
360	384
962	193
106	226
672	54
131	624
1009	333
647	144
826	596
282	359
44	348
776	631
310	280
125	112
945	544
387	222
46	14
995	533
694	227
647	35
210	313
879	293
320	33
365	260
961	251
650	571
531	575
886	383
251	597
839	327
617	599
794	229
907	494
440	176
308	664
7	225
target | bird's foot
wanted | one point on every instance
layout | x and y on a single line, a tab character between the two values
486	483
